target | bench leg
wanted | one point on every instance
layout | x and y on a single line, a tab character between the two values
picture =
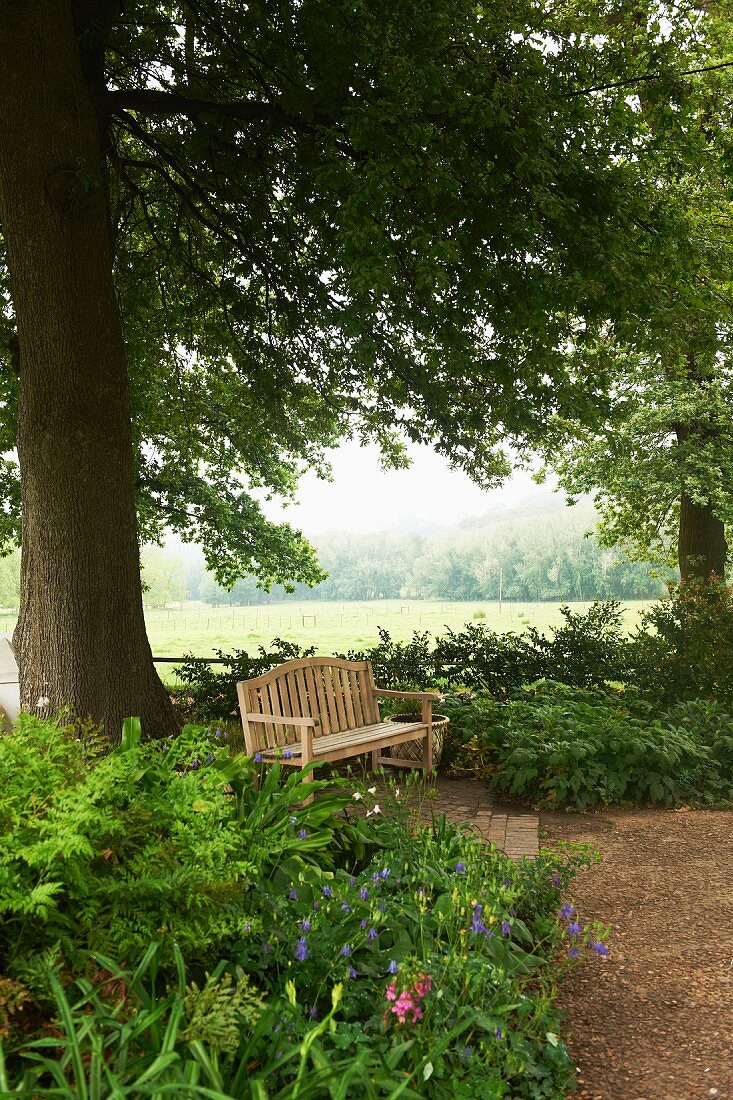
427	754
375	759
307	779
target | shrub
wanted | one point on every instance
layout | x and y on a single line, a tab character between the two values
397	664
684	648
557	746
588	649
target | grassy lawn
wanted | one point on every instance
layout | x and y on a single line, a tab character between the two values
331	626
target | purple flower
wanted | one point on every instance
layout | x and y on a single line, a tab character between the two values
420	891
293	895
459	867
371	935
302	835
313	1013
599	948
466	1054
567	911
257	758
346	950
392	968
384	874
573	953
476	921
556	880
305	925
375	876
316	906
499	1033
287	753
363	893
512	911
573	929
353	973
362	924
352	880
327	891
301	950
505	928
507	882
345	907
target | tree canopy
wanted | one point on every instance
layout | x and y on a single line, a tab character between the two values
235	233
661	460
333	219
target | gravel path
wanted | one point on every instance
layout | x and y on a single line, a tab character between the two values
655	1019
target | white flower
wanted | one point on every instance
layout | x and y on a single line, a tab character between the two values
371	790
376	810
356	796
42	701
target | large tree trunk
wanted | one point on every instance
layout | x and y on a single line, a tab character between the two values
80	640
702	548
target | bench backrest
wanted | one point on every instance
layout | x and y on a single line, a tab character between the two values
338	693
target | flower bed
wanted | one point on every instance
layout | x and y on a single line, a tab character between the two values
168	928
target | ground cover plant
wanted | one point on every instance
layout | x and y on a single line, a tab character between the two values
169	928
553	746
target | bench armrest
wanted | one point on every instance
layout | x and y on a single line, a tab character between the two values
280	720
384	693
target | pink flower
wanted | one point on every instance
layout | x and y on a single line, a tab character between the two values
423	985
391	991
403	1005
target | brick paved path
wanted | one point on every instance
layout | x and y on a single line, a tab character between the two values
469	801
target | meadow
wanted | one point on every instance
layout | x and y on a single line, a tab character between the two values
333	626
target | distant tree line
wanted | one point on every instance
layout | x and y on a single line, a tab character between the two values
538	557
546	557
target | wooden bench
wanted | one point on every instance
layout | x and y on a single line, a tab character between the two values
325	708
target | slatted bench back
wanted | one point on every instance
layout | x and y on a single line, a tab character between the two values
336	692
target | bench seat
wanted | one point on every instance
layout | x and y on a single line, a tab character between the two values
338	746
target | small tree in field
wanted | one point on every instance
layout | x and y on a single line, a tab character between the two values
234	233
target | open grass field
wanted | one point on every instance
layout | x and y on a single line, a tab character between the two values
332	626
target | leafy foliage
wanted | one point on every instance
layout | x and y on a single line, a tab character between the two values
588	649
664	443
324	219
429	973
104	852
558	746
684	648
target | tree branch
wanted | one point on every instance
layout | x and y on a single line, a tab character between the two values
151	101
647	77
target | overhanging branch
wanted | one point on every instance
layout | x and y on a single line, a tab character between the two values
646	77
152	101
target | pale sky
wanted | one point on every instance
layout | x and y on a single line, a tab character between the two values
363	497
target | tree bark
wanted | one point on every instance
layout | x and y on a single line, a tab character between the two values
702	547
80	639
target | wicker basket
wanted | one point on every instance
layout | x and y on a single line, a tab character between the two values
413	750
